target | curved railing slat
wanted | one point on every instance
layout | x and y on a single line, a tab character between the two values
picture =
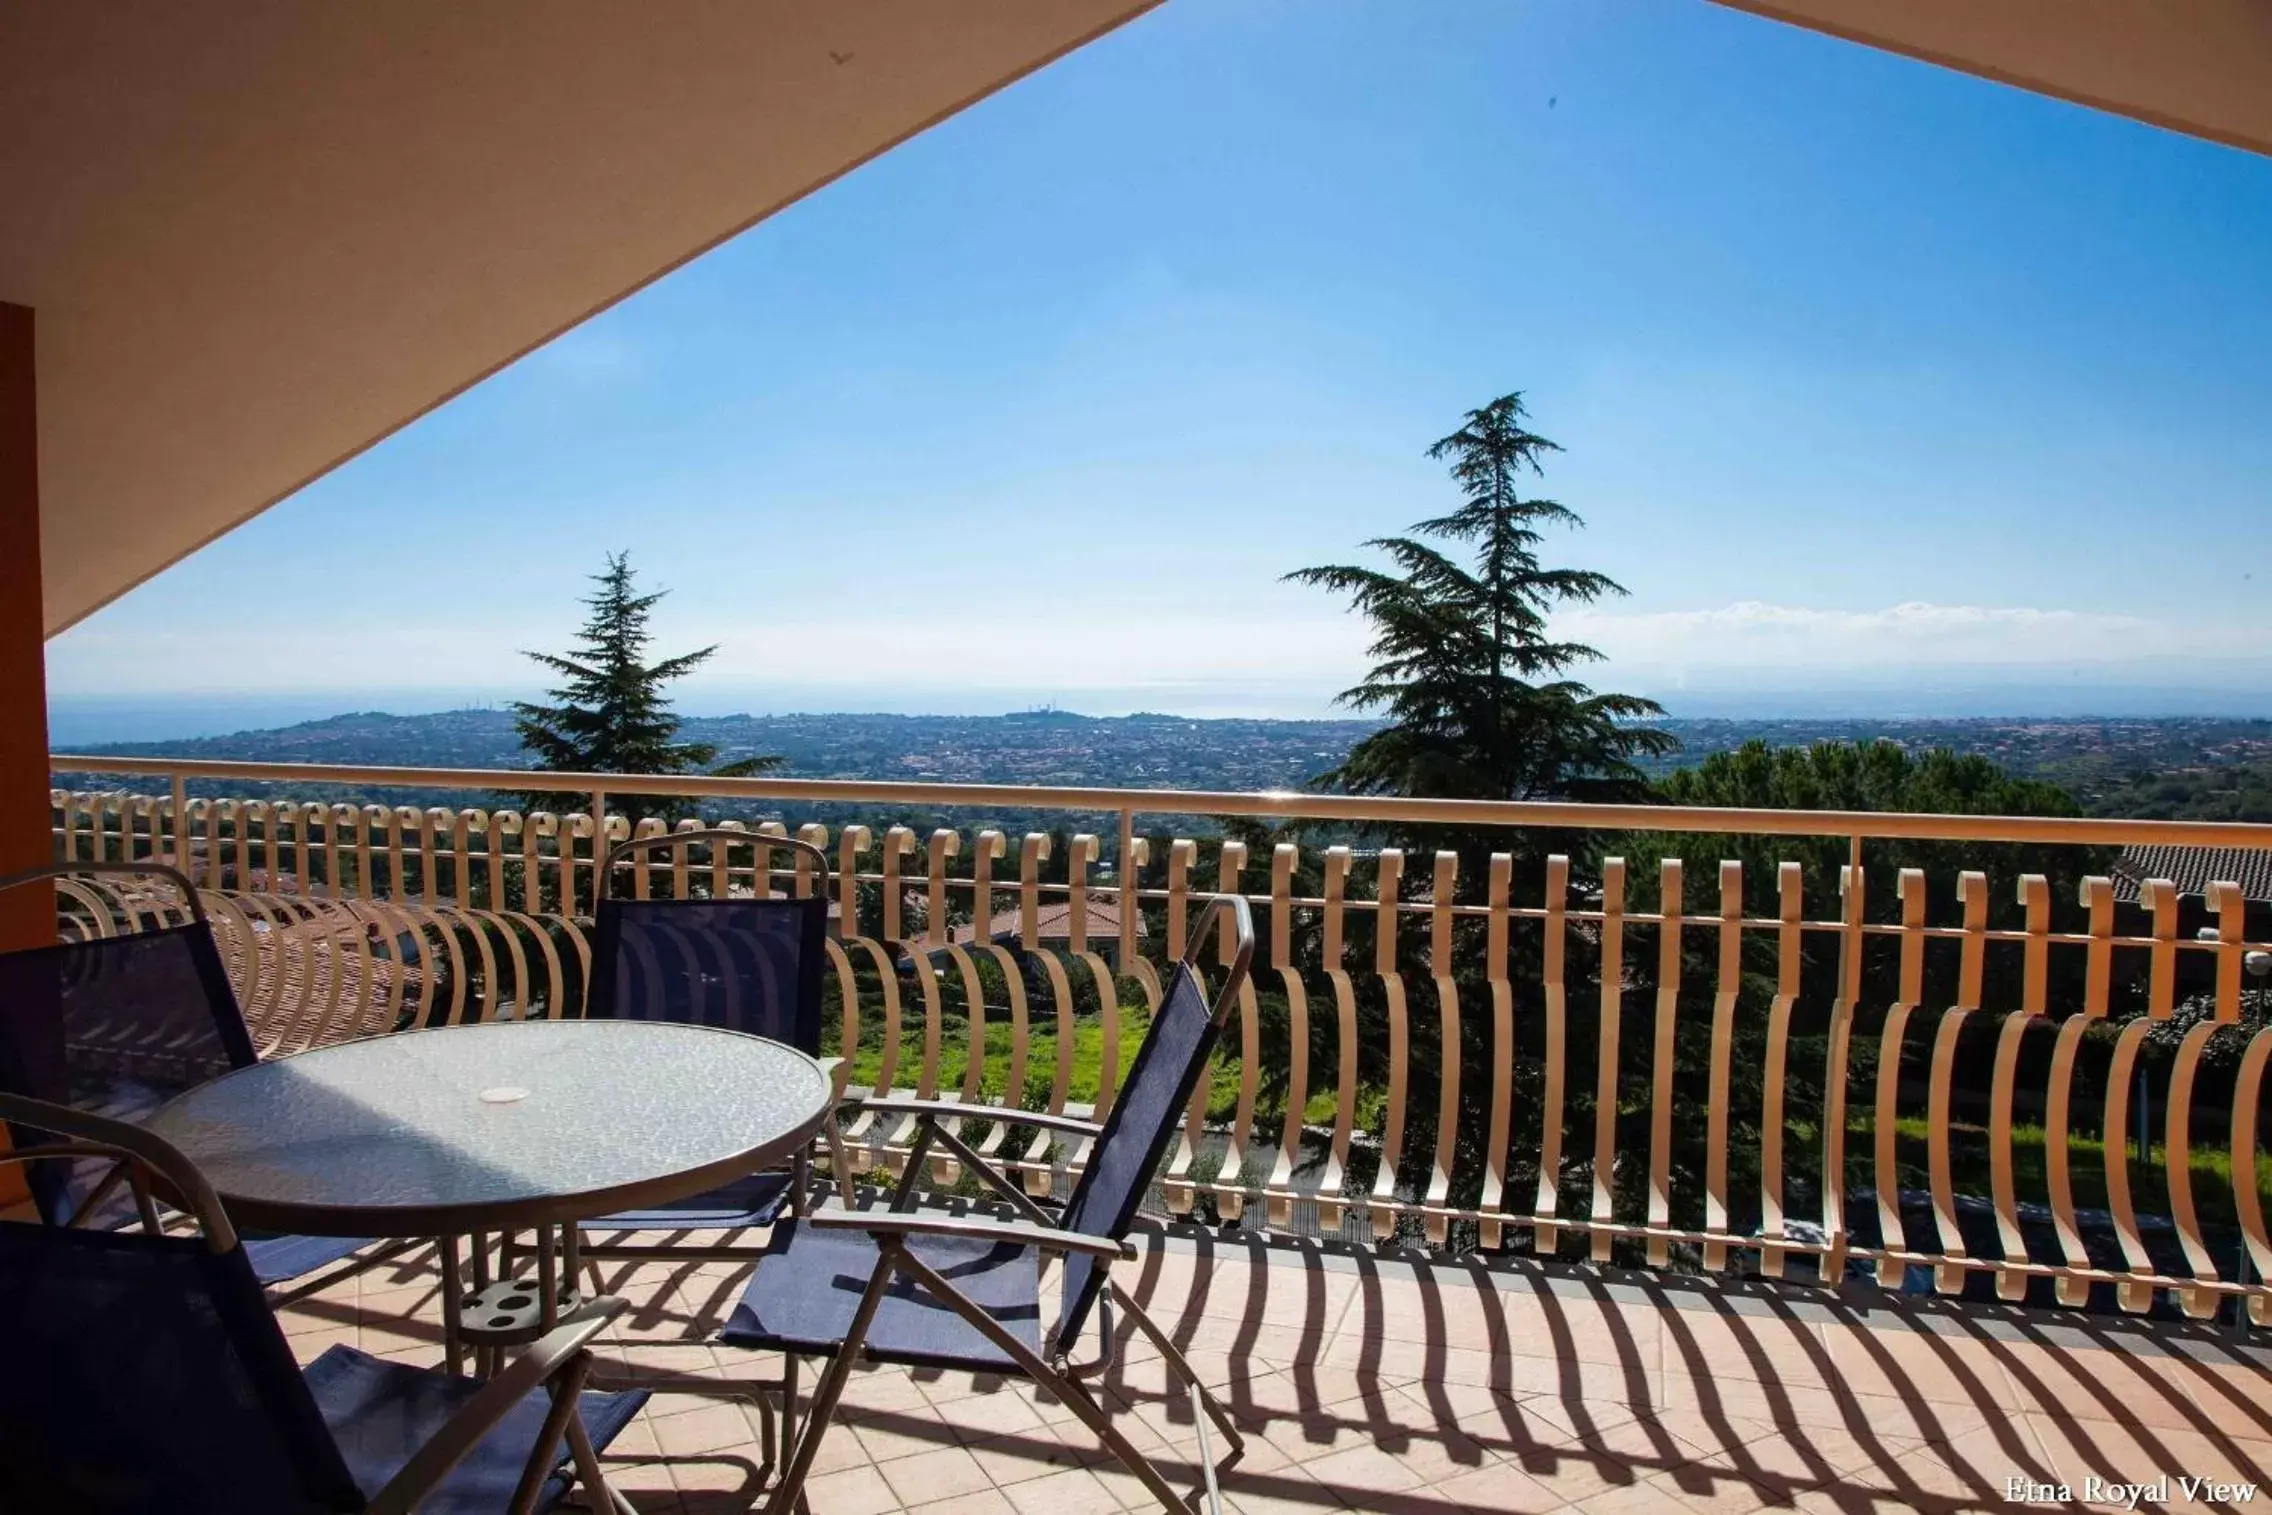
338	920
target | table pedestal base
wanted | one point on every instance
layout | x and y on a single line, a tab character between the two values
512	1313
516	1309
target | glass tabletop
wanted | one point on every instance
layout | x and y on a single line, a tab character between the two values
494	1126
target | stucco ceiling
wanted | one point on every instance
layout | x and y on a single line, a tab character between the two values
259	235
2198	66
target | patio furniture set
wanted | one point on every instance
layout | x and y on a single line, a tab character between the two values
145	1369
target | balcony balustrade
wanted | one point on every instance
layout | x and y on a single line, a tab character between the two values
1818	1049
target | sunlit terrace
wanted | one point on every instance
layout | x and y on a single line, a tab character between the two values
1907	1192
1424	1383
1560	1157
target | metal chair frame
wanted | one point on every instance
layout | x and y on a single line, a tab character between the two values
1035	1228
194	905
560	1363
624	855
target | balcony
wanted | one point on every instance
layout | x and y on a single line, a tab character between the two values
1918	1175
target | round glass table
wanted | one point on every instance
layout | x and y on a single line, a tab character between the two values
497	1127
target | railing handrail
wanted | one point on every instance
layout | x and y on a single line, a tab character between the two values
1259	804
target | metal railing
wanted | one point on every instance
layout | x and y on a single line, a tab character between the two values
1461	1066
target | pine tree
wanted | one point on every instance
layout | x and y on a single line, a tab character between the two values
1480	705
611	715
1475	686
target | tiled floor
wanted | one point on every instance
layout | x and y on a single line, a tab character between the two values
1372	1384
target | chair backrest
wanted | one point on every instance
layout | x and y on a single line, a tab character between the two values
118	1024
146	1372
745	964
1167	1068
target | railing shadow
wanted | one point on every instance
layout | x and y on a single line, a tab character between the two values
1586	1381
1411	1386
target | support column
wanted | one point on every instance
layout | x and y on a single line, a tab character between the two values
27	916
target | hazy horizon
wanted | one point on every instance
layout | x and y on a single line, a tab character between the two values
103	720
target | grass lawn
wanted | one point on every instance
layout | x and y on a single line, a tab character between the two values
994	1075
1088	1050
2211	1167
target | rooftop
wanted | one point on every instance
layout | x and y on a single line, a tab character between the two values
1054	922
2194	869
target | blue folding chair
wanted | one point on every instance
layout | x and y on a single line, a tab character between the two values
745	964
118	1022
964	1292
145	1372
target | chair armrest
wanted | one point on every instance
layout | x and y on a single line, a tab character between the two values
138	1150
976	1228
947	1109
462	1432
60	1149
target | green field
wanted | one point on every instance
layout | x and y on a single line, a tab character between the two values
994	1072
2210	1168
2209	1165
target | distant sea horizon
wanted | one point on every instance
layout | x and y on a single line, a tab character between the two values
100	720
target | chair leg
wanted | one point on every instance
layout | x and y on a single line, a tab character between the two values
592	1283
118	1174
789	1361
601	1494
477	1250
1183	1368
1076	1398
539	1467
453	1308
1092	1415
839	1164
144	1206
789	1492
571	1258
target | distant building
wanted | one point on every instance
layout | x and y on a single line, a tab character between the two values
1053	930
2193	870
1053	923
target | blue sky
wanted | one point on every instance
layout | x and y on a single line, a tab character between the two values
1872	378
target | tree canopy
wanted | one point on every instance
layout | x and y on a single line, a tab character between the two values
610	714
1879	776
1476	686
2208	792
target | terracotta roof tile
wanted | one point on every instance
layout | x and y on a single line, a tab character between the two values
2194	869
1053	921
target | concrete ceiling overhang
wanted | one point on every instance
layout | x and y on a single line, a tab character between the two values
259	235
2203	67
